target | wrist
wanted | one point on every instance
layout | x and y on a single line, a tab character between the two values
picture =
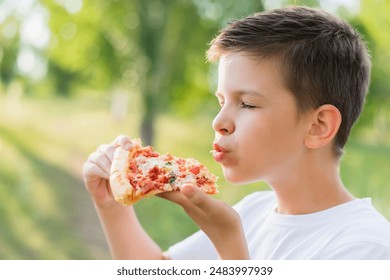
111	207
233	247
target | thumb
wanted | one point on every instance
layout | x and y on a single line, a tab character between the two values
196	196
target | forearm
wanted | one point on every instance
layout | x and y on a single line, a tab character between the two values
219	221
125	235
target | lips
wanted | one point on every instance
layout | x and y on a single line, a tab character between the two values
218	152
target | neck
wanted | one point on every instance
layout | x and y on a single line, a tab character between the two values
307	189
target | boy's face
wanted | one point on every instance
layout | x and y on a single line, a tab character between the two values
258	135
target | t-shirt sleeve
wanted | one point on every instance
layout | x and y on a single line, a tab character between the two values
359	251
195	247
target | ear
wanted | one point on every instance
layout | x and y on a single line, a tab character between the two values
325	122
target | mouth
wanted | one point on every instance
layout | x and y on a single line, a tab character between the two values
218	152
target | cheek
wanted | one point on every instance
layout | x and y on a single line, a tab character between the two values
272	133
264	148
249	161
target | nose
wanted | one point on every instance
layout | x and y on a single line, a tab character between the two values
223	123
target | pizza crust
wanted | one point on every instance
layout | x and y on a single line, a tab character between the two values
118	178
121	188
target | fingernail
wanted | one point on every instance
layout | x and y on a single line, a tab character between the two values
128	146
188	190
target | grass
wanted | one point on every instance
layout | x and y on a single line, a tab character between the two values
45	210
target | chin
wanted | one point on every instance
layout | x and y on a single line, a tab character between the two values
235	178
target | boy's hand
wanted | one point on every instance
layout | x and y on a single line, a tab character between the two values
118	222
96	171
220	222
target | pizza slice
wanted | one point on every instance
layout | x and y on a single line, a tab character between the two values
142	172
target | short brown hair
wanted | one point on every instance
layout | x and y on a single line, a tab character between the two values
325	60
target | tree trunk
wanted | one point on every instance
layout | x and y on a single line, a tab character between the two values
147	127
151	37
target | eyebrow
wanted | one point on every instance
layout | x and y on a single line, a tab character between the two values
243	92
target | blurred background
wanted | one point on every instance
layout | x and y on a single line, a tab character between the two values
76	73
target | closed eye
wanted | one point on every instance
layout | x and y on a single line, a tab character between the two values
247	106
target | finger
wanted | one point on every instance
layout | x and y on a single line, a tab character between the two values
197	197
179	198
101	160
91	171
175	197
108	150
123	141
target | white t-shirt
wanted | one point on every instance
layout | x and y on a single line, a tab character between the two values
354	230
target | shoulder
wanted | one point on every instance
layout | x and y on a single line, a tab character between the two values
363	233
365	220
358	250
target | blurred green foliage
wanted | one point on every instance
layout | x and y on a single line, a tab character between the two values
76	73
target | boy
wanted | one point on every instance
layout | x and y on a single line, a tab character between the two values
291	84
